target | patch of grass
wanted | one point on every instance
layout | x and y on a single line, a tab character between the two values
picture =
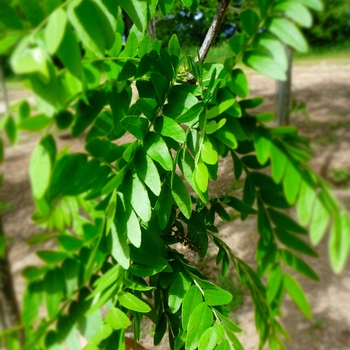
340	177
229	283
315	327
336	52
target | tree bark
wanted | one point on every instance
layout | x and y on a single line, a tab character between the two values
4	89
213	29
284	90
10	313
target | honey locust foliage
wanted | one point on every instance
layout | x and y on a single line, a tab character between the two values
118	210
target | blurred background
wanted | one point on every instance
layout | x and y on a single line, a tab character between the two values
318	106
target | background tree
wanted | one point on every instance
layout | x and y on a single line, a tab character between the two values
118	209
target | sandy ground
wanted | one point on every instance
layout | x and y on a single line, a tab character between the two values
325	86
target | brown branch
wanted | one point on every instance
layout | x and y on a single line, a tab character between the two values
213	29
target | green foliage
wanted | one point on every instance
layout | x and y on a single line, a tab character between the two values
121	213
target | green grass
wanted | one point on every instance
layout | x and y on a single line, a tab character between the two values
335	52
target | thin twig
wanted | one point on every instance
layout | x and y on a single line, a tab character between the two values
213	29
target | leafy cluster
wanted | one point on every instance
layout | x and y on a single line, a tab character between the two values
121	210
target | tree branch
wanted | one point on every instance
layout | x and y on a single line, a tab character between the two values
213	29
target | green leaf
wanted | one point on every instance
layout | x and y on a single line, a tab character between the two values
69	52
91	25
51	5
191	300
285	222
274	283
228	324
237	165
211	337
174	46
117	319
278	162
305	202
269	43
9	16
148	107
208	154
191	114
262	144
36	123
32	299
200	320
166	6
55	29
64	119
294	242
224	345
69	243
112	276
319	221
295	11
147	172
298	264
201	176
131	302
288	33
131	46
238	205
158	150
164	206
237	43
295	291
136	192
114	183
212	126
71	270
313	4
26	60
238	83
178	288
110	211
54	287
40	170
136	125
11	130
291	181
161	85
24	110
249	20
133	229
339	241
216	296
128	71
221	108
137	11
120	249
88	109
51	257
170	128
264	64
226	136
181	195
264	225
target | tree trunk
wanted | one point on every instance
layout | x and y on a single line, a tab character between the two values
284	90
4	89
10	313
151	28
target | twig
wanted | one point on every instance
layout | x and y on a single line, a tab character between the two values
213	29
211	34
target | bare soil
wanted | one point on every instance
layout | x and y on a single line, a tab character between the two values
325	87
